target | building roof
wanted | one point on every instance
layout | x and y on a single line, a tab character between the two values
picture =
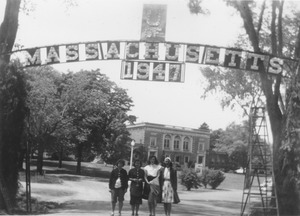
170	127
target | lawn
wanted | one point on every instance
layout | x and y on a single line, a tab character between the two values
232	180
69	167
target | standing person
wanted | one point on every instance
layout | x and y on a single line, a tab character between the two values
136	176
118	184
152	188
168	182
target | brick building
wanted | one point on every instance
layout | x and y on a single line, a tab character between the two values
181	144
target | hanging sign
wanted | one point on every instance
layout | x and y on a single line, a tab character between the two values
155	61
154	23
152	58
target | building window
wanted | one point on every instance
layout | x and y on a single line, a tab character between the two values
200	159
152	153
186	142
152	141
177	159
176	143
167	142
186	159
201	146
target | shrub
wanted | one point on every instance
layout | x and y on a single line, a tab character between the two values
215	178
190	179
204	178
211	177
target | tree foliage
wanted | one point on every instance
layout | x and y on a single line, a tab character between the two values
239	156
99	111
13	112
234	141
47	119
84	113
272	27
239	89
233	136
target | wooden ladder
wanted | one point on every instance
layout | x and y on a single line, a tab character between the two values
259	193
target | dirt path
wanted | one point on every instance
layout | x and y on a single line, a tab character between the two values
90	196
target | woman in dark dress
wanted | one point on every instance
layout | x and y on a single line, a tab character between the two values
136	176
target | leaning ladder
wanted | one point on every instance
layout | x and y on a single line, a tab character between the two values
256	196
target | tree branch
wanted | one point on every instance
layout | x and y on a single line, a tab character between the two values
297	46
263	7
246	14
273	29
280	39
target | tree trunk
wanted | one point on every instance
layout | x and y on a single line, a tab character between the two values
8	32
60	157
39	163
79	157
21	157
8	29
22	150
287	197
5	200
289	163
8	176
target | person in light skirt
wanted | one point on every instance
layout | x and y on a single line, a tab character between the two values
168	182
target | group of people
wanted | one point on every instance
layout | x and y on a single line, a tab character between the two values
155	183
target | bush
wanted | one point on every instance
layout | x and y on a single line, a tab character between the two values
216	177
190	179
204	178
211	177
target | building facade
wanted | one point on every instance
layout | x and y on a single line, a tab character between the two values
182	145
218	160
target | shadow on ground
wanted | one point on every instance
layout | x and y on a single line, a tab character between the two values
103	208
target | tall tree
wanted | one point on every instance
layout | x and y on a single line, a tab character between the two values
11	103
262	20
99	111
13	111
48	116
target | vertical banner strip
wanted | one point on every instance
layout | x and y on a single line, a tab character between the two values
154	23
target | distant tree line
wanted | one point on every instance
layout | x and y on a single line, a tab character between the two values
230	145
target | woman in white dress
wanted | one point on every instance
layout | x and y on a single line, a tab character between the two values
169	186
152	187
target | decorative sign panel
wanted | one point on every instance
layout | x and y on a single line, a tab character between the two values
152	71
154	23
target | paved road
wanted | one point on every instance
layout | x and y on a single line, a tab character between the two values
90	196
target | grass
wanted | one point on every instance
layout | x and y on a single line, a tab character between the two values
45	179
69	167
232	180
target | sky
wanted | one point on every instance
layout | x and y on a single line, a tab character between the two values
180	104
